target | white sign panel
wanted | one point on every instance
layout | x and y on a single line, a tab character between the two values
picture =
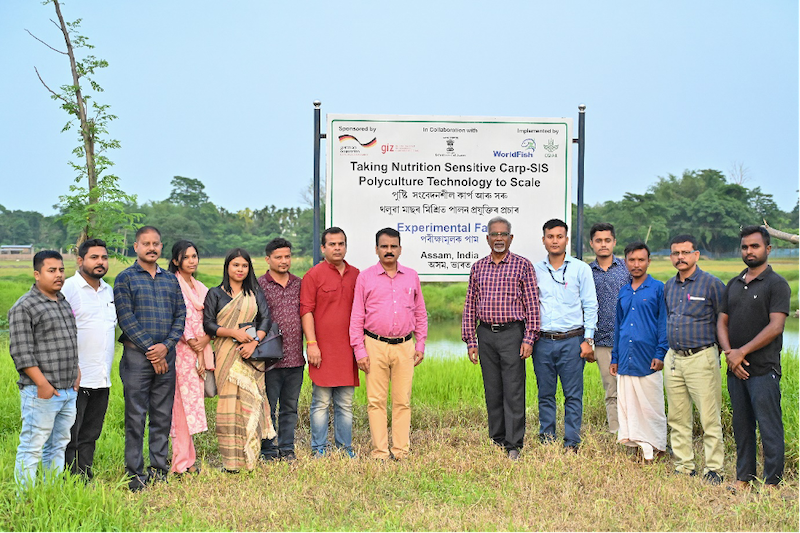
438	181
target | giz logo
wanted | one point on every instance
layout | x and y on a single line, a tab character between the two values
387	148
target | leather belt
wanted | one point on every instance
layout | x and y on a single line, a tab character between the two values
388	340
496	328
692	351
553	336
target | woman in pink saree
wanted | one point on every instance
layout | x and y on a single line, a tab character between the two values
194	358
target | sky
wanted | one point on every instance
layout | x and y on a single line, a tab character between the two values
223	91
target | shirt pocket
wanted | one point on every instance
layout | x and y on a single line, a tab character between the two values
697	308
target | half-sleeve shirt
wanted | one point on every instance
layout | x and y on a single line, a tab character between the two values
284	308
692	307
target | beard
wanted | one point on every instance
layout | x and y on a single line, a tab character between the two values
93	274
499	247
755	262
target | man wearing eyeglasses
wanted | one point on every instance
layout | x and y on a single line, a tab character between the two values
692	373
500	324
568	304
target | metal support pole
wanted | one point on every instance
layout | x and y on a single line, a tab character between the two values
581	150
317	210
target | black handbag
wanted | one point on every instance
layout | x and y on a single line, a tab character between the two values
270	349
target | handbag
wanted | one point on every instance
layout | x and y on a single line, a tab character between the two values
270	349
210	384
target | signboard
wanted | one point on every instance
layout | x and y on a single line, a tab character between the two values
439	180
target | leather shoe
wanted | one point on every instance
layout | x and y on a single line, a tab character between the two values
513	454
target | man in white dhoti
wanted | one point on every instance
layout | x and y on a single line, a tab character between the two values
640	344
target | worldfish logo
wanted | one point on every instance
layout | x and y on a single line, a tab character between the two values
529	144
370	144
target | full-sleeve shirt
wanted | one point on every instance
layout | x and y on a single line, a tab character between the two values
640	332
150	310
692	307
499	293
567	296
607	284
42	333
96	318
388	306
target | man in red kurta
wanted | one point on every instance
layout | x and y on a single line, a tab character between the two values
326	300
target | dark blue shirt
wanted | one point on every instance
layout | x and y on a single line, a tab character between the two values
640	332
608	283
693	307
150	310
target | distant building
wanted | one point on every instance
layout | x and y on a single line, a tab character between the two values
16	249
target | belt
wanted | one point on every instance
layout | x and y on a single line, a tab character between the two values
388	340
692	351
561	336
500	327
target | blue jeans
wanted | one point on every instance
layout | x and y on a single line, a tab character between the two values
342	417
554	360
45	432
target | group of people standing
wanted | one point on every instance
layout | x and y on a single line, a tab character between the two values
183	341
646	336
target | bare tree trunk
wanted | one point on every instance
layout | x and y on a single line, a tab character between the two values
782	235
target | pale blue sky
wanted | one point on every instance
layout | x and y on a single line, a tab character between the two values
223	91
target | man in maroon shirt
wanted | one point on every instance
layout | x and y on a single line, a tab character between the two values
282	290
326	300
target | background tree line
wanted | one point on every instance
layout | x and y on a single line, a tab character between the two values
701	202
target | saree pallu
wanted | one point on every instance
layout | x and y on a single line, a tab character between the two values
242	411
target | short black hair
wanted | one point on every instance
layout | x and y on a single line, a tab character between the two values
38	259
145	229
555	223
391	232
333	230
677	239
179	250
636	245
749	230
274	244
91	243
602	226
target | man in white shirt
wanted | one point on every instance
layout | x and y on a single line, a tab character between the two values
92	301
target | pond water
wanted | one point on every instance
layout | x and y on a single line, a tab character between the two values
444	338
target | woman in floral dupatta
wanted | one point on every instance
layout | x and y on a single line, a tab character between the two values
242	411
193	358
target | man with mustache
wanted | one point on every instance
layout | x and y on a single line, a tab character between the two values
92	301
44	347
500	324
151	314
388	311
693	365
750	331
640	343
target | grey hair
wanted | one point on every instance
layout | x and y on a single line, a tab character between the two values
497	220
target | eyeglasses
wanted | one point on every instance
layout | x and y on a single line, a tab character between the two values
682	253
499	234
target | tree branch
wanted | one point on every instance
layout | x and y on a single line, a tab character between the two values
48	88
44	43
782	235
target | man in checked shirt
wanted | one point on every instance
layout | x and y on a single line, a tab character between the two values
500	324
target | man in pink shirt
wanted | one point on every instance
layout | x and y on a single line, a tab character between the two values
388	310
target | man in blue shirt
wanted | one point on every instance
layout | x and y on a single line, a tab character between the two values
568	310
640	344
151	314
610	274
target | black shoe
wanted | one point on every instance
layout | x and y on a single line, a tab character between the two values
137	484
544	438
713	478
693	473
288	457
268	457
513	454
571	448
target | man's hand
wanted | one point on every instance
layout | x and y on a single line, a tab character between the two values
45	391
156	352
363	364
735	359
160	366
613	369
418	357
656	364
473	355
314	355
587	352
77	384
525	350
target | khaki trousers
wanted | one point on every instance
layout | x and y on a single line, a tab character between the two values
389	363
603	355
694	379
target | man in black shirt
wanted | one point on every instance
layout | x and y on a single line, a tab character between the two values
750	331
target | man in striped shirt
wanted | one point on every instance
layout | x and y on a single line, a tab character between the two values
500	324
692	372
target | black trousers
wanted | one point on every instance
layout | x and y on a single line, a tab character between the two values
283	392
503	384
92	405
146	394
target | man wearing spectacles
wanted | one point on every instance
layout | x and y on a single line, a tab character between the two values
568	304
692	373
500	324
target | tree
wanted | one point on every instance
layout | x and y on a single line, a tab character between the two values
187	192
96	209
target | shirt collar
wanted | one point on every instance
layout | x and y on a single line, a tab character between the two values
615	261
81	281
269	279
761	276
645	283
42	296
567	259
400	269
138	267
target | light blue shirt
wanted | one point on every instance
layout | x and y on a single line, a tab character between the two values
567	296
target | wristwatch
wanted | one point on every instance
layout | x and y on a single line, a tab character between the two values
590	342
